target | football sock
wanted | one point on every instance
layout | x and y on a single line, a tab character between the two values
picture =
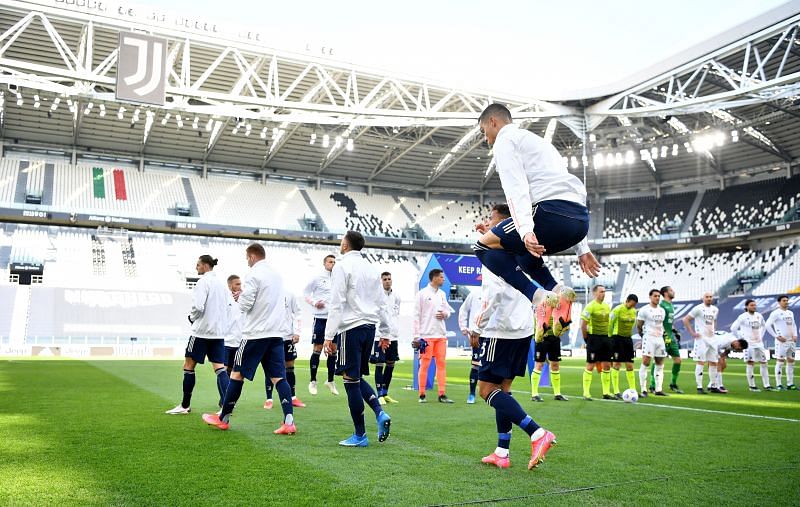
555	380
643	377
712	375
698	375
535	378
764	367
659	374
331	367
370	397
508	406
790	373
676	369
615	380
231	397
587	384
188	387
285	396
387	377
631	379
778	372
473	379
751	379
356	403
605	381
291	378
314	362
651	378
379	377
268	387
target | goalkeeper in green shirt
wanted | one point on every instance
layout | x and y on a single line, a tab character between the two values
621	321
671	340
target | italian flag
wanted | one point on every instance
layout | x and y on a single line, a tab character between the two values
114	185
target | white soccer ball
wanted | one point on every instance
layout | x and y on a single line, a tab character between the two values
630	396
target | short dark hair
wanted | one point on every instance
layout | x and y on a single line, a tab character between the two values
355	239
748	301
434	273
495	110
329	256
385	273
257	250
232	278
597	287
207	259
654	290
781	297
632	297
664	289
743	343
502	209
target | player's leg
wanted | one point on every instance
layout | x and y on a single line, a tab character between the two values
189	380
392	355
473	374
590	366
652	377
699	354
377	358
646	359
425	358
440	356
660	354
604	361
780	353
273	360
215	352
723	363
554	358
230	353
317	339
329	383
245	364
536	375
712	374
675	353
790	373
750	370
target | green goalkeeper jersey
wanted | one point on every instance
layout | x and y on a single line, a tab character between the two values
621	321
669	317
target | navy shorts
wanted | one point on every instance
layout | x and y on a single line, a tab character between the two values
289	350
200	348
267	352
476	355
230	355
354	351
381	356
548	349
503	359
318	332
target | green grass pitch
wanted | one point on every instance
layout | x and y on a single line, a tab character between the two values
94	433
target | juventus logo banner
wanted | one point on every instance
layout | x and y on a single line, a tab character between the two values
141	69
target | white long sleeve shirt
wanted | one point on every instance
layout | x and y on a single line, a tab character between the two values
319	289
470	308
428	302
392	302
505	313
750	327
263	303
782	323
293	314
356	297
531	170
233	338
209	311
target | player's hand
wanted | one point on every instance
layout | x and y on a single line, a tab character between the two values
781	339
190	319
482	227
415	344
440	315
295	338
236	295
319	305
384	344
474	340
329	347
465	332
532	245
589	264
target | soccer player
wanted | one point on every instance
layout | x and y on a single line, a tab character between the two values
503	330
430	312
536	182
266	322
704	316
468	311
782	325
318	293
289	352
650	325
548	348
356	306
620	328
209	319
594	325
384	359
233	338
721	345
671	339
750	325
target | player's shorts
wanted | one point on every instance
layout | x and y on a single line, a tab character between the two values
476	355
268	352
598	348
200	348
503	359
756	354
289	350
354	350
318	331
673	348
379	355
548	349
653	346
230	356
558	225
785	350
704	352
622	347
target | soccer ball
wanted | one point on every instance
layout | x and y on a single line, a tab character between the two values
630	396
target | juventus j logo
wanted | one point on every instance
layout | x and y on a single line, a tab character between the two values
142	66
141	71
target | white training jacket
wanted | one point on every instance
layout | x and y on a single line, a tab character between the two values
428	302
293	314
782	323
751	328
209	311
233	338
469	308
319	289
356	297
505	312
531	170
392	302
263	303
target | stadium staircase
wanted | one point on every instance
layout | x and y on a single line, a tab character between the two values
623	271
687	222
187	188
19	316
22	183
313	208
789	254
5	256
405	210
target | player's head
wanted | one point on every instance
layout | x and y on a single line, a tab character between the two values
492	119
352	241
750	305
783	301
205	263
234	283
708	298
436	277
740	344
255	253
386	280
328	262
655	297
631	301
599	293
667	293
499	213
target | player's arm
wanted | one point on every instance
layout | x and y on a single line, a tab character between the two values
613	320
248	296
770	325
199	297
640	317
515	187
297	322
687	322
336	304
737	325
585	316
415	328
308	292
385	329
463	315
490	300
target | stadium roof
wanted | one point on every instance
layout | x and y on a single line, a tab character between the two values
724	107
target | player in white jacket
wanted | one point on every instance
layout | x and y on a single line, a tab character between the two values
470	309
503	331
751	326
318	294
209	319
289	352
431	310
782	325
384	357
